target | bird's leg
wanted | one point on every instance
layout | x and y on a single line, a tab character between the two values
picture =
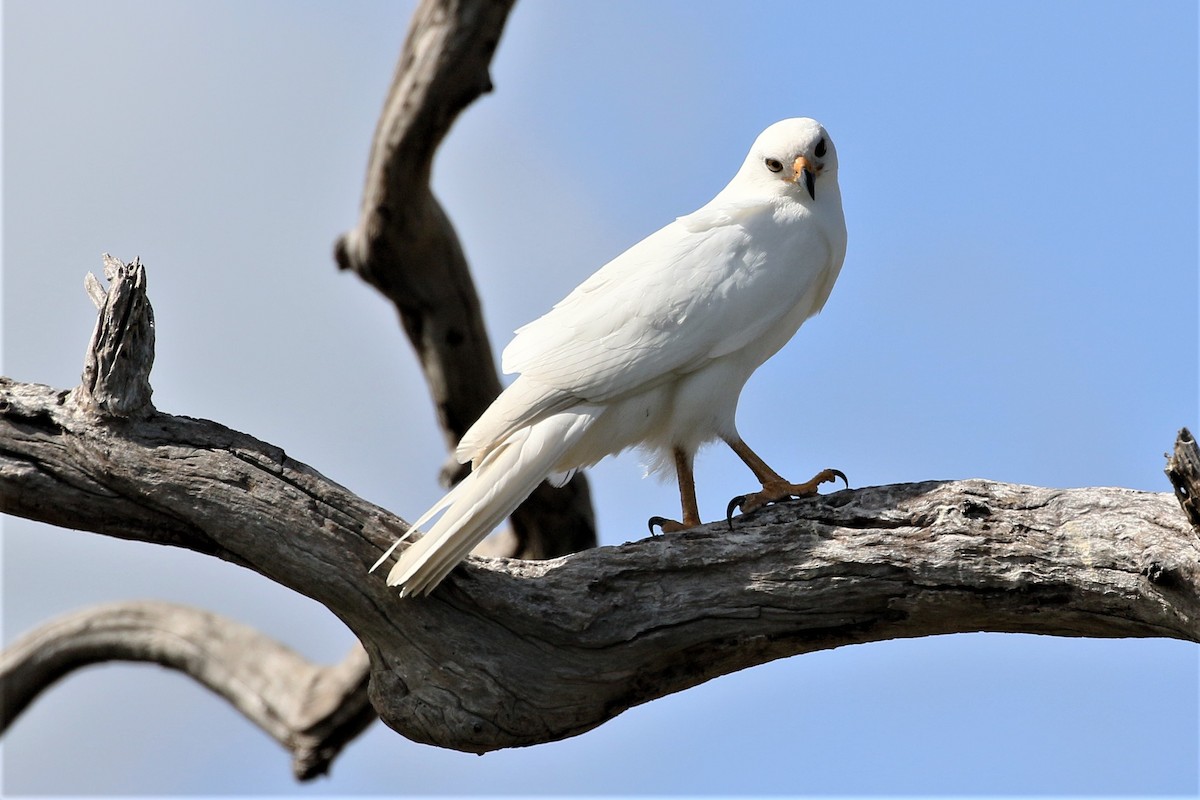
687	497
775	488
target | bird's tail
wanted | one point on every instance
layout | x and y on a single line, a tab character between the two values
497	484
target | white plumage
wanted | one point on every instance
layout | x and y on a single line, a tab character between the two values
654	348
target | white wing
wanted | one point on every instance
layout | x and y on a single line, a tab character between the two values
696	290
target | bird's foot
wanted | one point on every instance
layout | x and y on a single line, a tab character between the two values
669	525
774	491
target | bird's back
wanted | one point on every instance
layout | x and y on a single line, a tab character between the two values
723	288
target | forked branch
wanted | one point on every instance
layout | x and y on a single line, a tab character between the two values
405	247
512	653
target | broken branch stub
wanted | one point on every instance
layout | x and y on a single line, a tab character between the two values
1183	470
116	371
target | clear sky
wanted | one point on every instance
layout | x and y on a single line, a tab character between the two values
1019	303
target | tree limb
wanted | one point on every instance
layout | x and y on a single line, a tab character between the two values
403	244
405	247
511	653
312	710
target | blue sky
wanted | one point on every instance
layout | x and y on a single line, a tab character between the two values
1019	302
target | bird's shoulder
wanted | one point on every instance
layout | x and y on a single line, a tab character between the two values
643	287
722	214
666	305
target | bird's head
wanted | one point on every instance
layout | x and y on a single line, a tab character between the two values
794	156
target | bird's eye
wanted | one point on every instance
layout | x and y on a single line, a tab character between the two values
820	150
774	164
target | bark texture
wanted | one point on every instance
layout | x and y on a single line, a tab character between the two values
312	710
116	373
511	653
1183	470
405	247
506	652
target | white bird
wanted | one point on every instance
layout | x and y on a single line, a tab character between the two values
653	350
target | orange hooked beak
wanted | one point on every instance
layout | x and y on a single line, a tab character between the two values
802	171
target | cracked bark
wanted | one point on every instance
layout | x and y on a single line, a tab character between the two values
513	653
1183	470
312	710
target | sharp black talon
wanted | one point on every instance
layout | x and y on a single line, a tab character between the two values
734	503
841	475
655	521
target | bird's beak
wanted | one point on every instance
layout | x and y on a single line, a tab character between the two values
801	171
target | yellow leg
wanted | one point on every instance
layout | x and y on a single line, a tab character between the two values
687	497
775	488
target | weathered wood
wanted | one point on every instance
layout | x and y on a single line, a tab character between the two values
512	653
1183	470
116	372
312	710
405	247
403	243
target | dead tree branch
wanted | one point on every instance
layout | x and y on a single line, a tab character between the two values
312	710
405	247
513	653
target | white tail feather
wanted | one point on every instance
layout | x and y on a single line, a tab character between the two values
446	500
496	486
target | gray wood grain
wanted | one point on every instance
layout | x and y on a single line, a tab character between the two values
512	652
